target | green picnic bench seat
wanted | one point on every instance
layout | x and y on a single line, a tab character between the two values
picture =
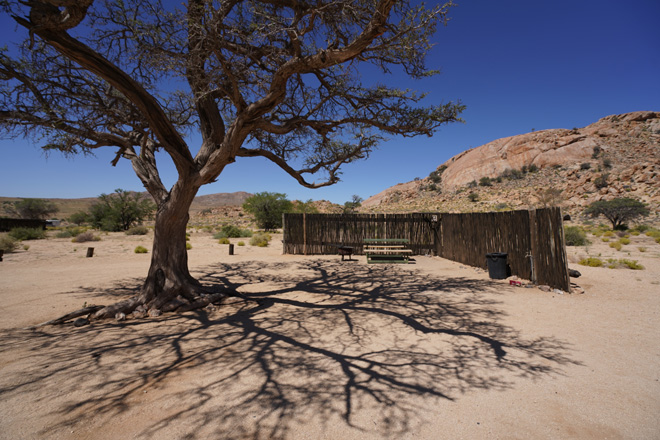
387	250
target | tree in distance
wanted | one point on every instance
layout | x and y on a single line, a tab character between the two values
35	208
255	78
618	211
351	206
267	209
120	211
307	207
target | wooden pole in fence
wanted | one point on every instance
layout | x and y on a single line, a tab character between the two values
533	252
304	233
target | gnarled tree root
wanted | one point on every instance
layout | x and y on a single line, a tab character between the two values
137	303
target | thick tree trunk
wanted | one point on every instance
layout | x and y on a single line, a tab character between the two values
169	284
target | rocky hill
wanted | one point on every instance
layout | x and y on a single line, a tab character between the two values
617	156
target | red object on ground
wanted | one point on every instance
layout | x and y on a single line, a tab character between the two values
515	283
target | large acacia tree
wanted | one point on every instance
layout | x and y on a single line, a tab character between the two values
279	79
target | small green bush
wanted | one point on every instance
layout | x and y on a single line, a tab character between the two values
241	243
624	240
641	249
138	230
188	246
473	197
70	232
575	236
485	181
608	233
223	240
585	166
605	239
591	262
21	234
616	245
632	264
85	236
141	250
8	243
260	239
231	231
26	247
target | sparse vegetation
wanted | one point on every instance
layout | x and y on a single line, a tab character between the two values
260	239
485	181
575	236
240	243
232	231
21	234
8	243
223	240
85	236
69	232
34	208
188	245
473	197
138	230
601	181
616	245
613	263
591	262
141	250
585	166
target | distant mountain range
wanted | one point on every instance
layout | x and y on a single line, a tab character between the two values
69	206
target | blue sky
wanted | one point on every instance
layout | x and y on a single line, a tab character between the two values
517	65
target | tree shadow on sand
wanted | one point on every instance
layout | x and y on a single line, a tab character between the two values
372	347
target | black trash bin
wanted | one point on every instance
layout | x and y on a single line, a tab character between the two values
497	265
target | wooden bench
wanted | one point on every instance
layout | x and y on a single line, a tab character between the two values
387	250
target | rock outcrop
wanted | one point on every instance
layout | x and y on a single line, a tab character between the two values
617	156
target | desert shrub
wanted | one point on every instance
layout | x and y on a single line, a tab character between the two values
624	240
137	230
260	239
605	239
615	245
472	184
8	243
631	264
591	262
140	250
85	236
120	211
641	249
473	197
601	181
657	240
231	231
607	163
641	228
69	232
634	233
502	207
21	234
585	166
485	181
575	236
187	236
241	243
188	246
532	168
608	233
652	232
436	176
613	263
79	218
223	240
26	247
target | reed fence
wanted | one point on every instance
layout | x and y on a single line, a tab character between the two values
7	224
533	240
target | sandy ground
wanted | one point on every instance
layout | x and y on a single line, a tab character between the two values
323	349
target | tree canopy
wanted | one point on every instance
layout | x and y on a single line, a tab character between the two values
618	211
267	209
300	83
35	208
